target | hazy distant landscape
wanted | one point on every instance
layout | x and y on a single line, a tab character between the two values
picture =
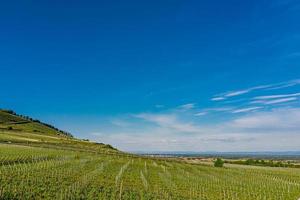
266	155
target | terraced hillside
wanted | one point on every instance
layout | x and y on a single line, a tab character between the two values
50	165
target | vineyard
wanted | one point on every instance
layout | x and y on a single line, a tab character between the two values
49	165
42	173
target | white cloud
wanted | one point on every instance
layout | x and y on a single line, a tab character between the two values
246	109
252	128
187	106
276	101
277	96
285	84
213	110
200	113
274	86
169	121
236	93
274	120
240	92
218	98
276	130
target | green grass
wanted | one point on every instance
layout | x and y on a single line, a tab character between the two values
54	142
9	118
16	129
12	122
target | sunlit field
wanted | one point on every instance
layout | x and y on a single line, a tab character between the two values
44	173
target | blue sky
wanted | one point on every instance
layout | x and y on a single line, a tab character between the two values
157	75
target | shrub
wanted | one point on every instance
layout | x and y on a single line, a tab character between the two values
219	162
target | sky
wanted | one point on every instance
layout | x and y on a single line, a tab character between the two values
174	75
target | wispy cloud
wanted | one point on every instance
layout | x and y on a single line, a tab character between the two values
276	101
243	110
238	92
277	129
285	84
213	110
200	114
218	98
226	95
274	120
187	106
169	121
249	123
277	96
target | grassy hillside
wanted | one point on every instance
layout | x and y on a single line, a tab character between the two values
9	120
50	165
22	130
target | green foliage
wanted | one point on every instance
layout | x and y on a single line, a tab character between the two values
219	162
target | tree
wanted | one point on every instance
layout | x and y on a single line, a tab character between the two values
250	162
219	162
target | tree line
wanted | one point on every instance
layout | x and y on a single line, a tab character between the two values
268	163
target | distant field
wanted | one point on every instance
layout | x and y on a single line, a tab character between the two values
44	173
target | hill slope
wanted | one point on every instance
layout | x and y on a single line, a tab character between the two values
19	129
11	121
